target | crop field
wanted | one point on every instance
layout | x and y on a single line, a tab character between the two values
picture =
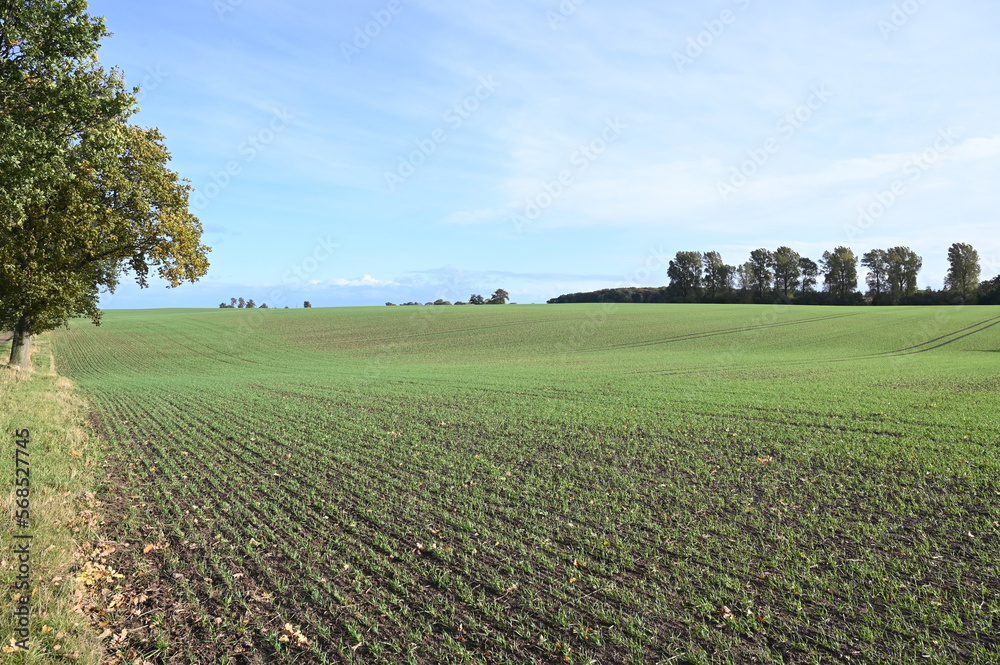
551	484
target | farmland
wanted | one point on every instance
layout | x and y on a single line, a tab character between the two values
565	483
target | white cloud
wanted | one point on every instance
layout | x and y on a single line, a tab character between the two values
367	280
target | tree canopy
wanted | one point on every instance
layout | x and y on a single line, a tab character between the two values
903	267
963	274
84	196
840	272
787	271
684	272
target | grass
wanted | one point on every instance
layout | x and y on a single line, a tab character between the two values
571	483
62	460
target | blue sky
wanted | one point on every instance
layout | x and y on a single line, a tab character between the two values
395	150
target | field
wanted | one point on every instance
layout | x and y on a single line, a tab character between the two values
555	484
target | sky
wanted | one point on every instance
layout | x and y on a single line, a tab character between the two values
394	150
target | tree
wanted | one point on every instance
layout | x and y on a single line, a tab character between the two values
53	92
786	270
242	303
117	209
307	304
760	263
684	272
988	292
223	305
877	262
63	202
476	299
390	304
963	275
251	304
718	278
904	266
232	302
809	272
499	297
840	272
263	305
745	278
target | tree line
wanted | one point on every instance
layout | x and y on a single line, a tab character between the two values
240	303
783	275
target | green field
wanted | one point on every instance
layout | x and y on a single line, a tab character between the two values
563	483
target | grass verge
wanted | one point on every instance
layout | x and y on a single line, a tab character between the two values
62	461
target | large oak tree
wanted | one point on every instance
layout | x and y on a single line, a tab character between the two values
84	196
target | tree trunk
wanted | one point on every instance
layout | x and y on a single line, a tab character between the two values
20	344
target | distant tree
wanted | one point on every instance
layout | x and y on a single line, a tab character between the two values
988	292
809	272
718	279
459	302
307	304
263	305
223	305
787	272
390	304
840	273
726	276
499	297
242	303
904	266
877	262
963	275
684	272
745	279
476	299
251	304
232	302
286	306
761	261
